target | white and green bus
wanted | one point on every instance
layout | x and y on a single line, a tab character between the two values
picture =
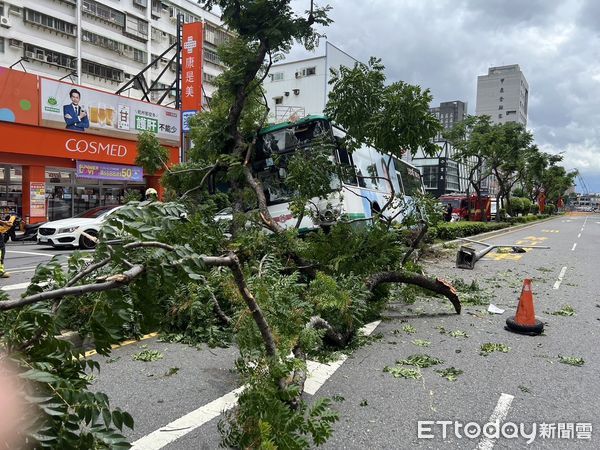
363	191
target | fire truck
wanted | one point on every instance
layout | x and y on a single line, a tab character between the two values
467	207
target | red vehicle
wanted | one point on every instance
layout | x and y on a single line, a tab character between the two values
467	208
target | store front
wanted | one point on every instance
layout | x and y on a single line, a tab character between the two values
48	172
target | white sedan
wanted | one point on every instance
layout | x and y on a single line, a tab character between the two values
68	232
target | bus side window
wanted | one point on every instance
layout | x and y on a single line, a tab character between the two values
345	160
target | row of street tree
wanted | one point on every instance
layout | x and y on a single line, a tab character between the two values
508	154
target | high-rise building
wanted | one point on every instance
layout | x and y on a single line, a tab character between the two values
104	43
503	95
449	113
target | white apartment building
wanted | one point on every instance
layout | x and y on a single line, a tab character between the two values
103	43
503	95
299	88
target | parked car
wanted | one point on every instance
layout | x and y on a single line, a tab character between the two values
68	232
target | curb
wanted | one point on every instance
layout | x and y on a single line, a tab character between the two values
491	234
86	345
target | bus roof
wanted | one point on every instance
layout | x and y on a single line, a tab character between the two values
282	125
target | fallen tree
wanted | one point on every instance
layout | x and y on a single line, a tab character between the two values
281	296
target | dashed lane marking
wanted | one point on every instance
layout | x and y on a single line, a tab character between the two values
47	255
561	275
15	287
574	245
185	424
498	416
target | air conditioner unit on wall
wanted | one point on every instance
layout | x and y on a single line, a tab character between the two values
5	22
29	55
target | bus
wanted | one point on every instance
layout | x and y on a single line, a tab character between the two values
362	189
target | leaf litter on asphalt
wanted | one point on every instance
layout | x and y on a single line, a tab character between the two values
566	310
403	372
459	333
491	347
420	360
571	360
421	342
148	356
451	373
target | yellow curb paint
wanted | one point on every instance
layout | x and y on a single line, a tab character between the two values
123	344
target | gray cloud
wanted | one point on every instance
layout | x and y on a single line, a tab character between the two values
444	45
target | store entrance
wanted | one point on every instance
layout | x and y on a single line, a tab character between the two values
68	196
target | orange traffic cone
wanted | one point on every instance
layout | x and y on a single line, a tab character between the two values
524	321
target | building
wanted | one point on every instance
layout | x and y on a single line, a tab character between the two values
96	46
103	43
449	113
503	94
298	88
442	174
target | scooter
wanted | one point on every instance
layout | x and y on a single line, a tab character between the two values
29	231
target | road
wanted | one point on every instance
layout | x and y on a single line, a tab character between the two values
176	400
20	262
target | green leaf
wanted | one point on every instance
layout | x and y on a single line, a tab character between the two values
39	376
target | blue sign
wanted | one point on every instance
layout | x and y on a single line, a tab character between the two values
185	119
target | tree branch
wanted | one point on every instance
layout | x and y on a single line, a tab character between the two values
257	314
112	282
436	285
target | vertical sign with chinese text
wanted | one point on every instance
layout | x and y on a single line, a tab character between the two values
191	68
37	199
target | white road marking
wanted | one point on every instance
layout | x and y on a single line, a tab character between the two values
48	255
574	245
579	235
561	275
15	287
498	415
182	426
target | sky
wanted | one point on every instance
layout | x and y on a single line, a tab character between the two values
444	45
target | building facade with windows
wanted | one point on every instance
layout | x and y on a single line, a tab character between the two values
442	173
503	94
299	88
104	43
99	45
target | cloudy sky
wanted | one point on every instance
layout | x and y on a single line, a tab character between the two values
445	44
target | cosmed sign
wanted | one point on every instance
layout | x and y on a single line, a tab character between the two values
114	172
106	114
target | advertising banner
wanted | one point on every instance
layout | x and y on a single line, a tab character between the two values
19	100
114	172
85	110
191	70
37	199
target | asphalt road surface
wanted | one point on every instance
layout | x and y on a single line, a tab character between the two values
176	401
20	262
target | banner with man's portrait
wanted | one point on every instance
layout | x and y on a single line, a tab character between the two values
73	107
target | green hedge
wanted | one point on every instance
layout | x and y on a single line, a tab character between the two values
525	219
453	230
